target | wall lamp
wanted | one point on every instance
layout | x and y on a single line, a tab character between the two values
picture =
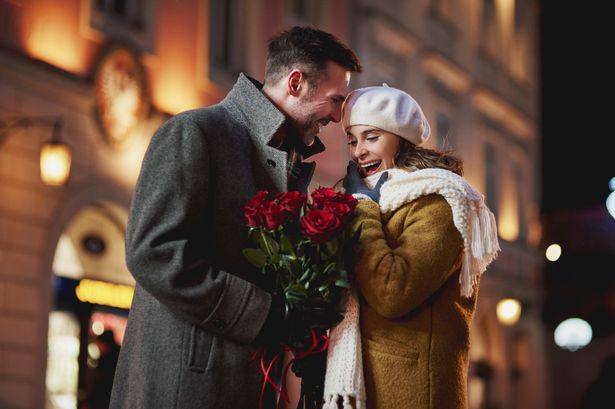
508	311
55	156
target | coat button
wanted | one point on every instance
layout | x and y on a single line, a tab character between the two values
271	163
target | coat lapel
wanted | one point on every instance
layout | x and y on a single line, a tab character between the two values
248	104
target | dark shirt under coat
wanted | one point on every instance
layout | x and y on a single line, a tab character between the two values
198	305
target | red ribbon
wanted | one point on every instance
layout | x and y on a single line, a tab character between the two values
297	353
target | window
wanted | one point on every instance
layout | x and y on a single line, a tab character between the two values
303	12
489	34
521	202
491	192
227	41
443	132
132	19
447	11
519	58
126	11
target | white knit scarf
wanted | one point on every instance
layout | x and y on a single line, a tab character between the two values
476	224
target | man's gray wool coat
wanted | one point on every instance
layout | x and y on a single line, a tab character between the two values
198	304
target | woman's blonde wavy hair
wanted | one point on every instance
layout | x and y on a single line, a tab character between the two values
412	157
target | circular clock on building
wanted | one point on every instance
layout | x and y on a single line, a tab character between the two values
120	94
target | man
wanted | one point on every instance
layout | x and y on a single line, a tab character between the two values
199	310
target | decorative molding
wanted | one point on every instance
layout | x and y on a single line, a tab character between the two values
393	38
446	72
500	111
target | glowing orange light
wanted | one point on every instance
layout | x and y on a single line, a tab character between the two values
52	35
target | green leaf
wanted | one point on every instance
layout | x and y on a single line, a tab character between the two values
276	260
255	257
286	245
296	292
342	283
275	247
293	297
329	267
332	247
306	274
291	264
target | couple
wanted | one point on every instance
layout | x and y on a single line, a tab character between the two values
200	312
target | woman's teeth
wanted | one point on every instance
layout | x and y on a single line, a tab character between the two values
370	167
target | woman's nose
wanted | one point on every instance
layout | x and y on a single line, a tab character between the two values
361	151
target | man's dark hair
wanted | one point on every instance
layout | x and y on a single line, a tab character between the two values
310	50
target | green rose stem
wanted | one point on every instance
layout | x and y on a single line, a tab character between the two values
264	239
270	254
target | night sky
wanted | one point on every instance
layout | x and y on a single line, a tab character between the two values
578	126
578	130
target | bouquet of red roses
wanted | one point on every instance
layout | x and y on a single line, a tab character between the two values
302	246
302	243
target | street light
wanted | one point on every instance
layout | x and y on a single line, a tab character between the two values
508	311
55	156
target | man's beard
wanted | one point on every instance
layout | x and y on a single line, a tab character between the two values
309	129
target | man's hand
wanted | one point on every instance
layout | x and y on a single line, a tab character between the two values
292	323
302	318
353	183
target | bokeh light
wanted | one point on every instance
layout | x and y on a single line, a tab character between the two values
573	334
553	252
508	311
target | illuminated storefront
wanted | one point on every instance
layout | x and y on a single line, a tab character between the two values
92	293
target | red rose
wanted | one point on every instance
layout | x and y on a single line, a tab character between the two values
322	195
341	210
274	215
253	211
346	199
291	202
319	225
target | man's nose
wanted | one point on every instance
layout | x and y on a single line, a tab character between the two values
336	115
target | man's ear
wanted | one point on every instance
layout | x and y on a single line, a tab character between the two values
294	81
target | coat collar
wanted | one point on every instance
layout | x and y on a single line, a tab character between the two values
247	101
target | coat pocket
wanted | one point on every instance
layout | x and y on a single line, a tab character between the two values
393	348
200	349
393	376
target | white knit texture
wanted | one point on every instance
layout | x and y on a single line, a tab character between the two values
473	219
344	376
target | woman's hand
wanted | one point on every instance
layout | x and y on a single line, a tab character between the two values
353	183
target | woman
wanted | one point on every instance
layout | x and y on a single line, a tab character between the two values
426	236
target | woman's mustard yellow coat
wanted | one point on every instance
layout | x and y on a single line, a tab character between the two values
414	323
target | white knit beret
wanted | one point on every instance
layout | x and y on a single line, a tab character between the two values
387	108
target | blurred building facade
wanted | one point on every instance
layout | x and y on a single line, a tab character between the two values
113	70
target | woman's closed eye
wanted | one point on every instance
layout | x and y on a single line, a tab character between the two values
374	138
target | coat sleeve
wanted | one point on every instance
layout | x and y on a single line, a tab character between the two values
167	235
399	274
